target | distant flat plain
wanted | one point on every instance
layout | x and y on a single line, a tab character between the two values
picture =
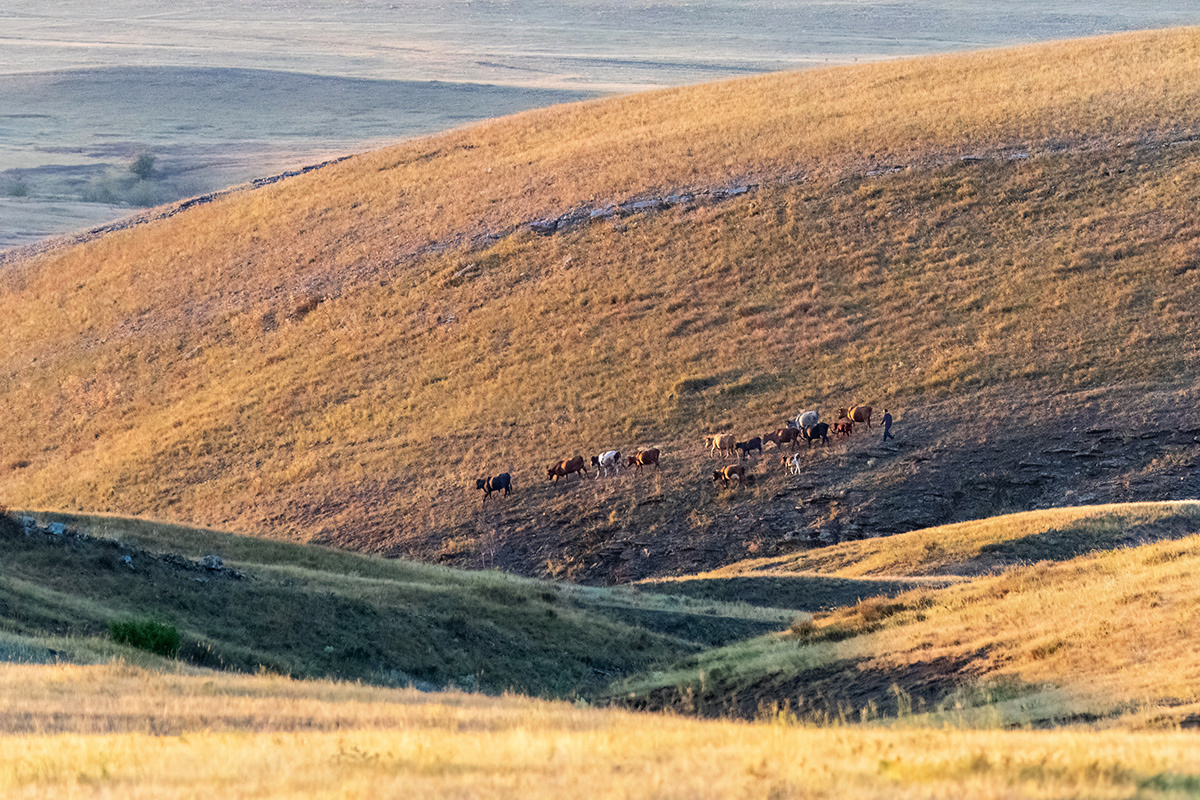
224	91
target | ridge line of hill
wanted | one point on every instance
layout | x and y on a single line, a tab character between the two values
583	214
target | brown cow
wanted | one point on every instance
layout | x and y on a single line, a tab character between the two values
782	436
564	468
843	427
726	474
856	414
644	458
720	443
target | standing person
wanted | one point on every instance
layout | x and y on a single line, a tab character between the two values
887	425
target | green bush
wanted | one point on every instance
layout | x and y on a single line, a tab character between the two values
163	640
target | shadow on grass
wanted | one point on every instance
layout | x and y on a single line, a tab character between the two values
1088	536
800	593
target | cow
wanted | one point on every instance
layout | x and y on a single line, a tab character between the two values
489	485
744	448
720	443
782	436
644	458
856	414
726	474
564	468
843	427
806	418
608	460
818	431
791	464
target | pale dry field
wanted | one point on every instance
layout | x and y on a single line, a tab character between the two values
120	731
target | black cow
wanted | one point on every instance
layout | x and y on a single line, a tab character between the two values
818	431
746	447
489	485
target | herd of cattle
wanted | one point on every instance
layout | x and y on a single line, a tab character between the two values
806	427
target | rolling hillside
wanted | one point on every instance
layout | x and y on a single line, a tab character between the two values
1001	247
311	611
1098	626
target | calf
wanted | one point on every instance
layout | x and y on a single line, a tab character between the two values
744	448
564	468
726	474
489	485
843	427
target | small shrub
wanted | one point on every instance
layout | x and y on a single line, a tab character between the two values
154	637
143	166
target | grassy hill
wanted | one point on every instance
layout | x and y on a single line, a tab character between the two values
315	612
1000	246
1097	625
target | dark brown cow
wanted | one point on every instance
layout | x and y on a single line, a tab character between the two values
644	458
564	468
857	414
843	427
782	436
726	474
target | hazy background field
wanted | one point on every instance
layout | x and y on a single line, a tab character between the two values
222	92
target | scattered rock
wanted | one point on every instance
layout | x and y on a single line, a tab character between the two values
212	562
544	227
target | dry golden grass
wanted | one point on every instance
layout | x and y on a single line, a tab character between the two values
965	547
281	362
1107	636
213	735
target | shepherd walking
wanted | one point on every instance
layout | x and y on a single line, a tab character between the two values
887	425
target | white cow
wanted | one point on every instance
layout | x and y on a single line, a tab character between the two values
608	460
807	418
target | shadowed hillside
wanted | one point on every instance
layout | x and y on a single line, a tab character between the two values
1001	247
317	612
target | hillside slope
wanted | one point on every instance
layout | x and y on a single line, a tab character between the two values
824	578
1108	636
338	356
315	612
